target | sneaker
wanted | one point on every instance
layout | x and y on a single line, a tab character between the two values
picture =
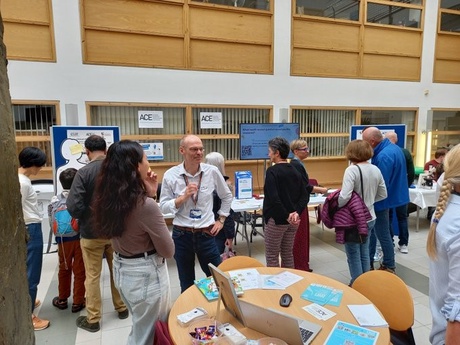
403	249
378	254
39	324
388	269
123	314
77	307
60	303
83	323
37	303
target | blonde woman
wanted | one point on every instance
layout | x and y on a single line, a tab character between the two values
443	247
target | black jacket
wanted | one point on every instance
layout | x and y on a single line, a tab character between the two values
81	194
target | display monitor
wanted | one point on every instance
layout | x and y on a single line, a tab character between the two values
254	137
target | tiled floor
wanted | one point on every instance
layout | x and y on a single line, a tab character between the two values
326	257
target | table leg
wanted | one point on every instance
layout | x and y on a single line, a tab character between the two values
244	233
417	221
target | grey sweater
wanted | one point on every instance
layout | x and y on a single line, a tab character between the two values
374	185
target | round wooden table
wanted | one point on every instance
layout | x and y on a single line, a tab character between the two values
192	298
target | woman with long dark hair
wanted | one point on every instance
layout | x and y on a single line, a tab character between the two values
125	212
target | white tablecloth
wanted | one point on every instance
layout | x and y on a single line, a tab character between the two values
423	198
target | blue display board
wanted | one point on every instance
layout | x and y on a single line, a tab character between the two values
67	146
356	132
254	137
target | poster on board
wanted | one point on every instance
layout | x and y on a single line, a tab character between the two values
356	132
68	149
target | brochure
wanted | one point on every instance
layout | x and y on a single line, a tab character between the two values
367	315
318	293
208	288
347	333
285	279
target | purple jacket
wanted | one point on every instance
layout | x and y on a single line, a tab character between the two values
354	213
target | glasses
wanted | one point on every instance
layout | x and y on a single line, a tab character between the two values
196	149
306	149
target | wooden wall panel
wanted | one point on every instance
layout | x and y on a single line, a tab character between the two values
28	42
26	10
227	56
324	63
448	47
325	35
134	16
392	42
28	32
391	67
132	49
446	71
230	26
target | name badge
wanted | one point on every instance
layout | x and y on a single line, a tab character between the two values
195	213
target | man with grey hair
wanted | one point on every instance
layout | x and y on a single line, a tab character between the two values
390	160
401	211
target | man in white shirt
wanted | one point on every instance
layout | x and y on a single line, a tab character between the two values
187	192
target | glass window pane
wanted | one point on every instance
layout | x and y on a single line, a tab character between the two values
389	117
255	4
327	146
439	141
450	4
323	120
450	22
446	121
393	15
340	9
32	119
413	2
231	118
127	119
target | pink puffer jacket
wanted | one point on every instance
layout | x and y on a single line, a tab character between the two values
353	214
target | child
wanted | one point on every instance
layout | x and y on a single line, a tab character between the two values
69	251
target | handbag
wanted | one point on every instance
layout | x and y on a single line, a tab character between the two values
352	234
227	253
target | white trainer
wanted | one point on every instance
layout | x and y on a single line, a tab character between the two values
403	249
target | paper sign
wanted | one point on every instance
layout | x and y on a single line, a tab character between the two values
150	118
76	149
211	120
153	151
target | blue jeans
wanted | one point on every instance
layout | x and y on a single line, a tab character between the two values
144	287
358	255
382	232
34	259
187	245
401	215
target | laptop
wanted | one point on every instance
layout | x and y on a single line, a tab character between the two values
227	293
277	324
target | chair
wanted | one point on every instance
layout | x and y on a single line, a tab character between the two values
390	295
315	207
239	261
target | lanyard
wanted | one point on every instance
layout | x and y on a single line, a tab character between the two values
195	196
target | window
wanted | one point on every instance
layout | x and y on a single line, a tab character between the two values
177	121
256	4
228	142
32	124
340	9
450	16
446	129
393	15
388	117
327	131
126	117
